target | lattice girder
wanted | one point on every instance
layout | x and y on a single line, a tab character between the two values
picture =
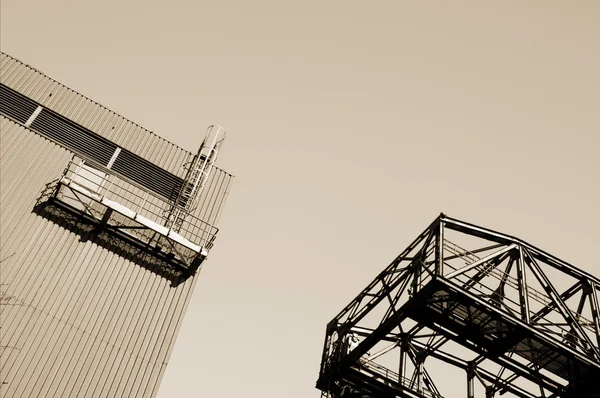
528	320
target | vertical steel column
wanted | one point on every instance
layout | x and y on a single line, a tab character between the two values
419	371
471	380
440	248
594	305
522	283
402	364
582	337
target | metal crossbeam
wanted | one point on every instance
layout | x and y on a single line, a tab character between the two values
494	295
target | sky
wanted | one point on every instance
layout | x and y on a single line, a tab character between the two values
350	127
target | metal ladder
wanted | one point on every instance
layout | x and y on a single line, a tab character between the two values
196	177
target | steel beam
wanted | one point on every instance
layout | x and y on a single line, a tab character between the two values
423	267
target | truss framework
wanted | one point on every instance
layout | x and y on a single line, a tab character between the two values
511	317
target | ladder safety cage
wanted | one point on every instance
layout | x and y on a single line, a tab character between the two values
196	177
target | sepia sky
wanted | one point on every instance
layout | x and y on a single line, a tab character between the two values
351	126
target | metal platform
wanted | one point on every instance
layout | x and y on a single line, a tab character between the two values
118	205
505	313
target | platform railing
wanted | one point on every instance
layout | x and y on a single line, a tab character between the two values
499	275
388	375
561	332
102	183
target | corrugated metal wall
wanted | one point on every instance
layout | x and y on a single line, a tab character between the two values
82	110
76	320
123	132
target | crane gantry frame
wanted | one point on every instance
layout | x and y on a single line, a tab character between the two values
513	317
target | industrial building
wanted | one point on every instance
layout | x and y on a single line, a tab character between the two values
104	227
465	308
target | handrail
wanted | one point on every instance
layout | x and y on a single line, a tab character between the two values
512	282
110	185
396	378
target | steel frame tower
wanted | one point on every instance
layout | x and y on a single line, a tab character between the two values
503	315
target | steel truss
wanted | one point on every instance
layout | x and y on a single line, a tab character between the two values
508	316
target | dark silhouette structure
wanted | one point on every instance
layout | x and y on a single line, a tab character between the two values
462	300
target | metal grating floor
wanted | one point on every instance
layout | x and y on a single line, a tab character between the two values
494	333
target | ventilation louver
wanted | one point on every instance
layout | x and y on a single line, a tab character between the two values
89	145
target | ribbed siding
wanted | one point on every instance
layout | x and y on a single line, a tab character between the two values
91	115
83	321
15	105
108	124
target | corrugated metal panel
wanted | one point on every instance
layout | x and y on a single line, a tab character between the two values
143	172
15	105
78	320
91	115
128	135
88	144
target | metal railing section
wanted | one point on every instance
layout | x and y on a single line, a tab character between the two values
387	375
561	331
129	197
